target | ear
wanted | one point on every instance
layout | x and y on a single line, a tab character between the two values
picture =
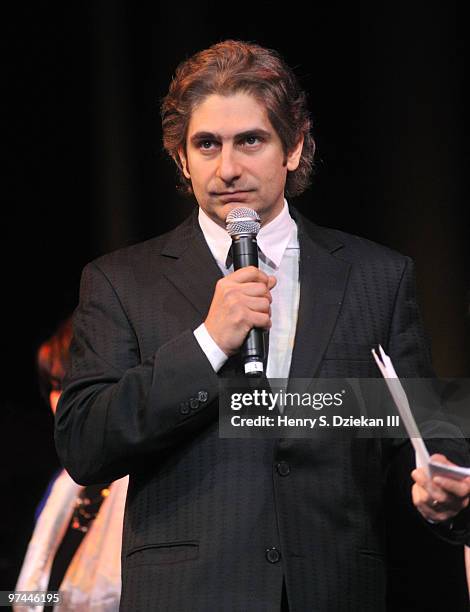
184	163
293	157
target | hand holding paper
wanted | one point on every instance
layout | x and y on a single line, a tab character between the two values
441	488
439	498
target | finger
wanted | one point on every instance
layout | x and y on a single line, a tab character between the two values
260	320
450	504
441	459
424	502
437	516
431	508
458	488
439	511
258	304
438	500
425	496
255	290
420	495
249	273
420	477
432	494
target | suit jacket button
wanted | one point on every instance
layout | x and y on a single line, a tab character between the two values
202	396
194	403
273	555
184	408
283	468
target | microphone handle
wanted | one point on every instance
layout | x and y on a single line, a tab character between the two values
245	253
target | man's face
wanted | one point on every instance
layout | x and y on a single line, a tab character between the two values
234	157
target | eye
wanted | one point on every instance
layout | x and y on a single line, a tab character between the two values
206	144
251	141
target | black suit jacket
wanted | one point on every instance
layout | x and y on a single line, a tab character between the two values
202	512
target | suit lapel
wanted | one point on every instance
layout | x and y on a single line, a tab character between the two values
191	267
323	279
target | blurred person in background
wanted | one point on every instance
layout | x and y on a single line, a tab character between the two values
76	543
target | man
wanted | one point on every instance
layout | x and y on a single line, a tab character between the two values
222	524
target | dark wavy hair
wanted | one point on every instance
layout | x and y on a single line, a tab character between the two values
230	67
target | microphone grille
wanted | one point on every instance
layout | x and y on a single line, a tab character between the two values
242	220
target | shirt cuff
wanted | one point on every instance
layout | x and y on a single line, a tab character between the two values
213	352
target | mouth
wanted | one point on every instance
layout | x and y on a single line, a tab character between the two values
232	196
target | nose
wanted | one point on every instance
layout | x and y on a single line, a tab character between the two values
228	169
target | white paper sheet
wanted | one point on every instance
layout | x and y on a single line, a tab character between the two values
395	387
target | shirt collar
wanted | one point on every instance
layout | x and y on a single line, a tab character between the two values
273	238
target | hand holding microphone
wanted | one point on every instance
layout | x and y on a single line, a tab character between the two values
241	306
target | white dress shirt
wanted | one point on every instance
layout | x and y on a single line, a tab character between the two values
279	257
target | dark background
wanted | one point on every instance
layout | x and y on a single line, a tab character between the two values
85	171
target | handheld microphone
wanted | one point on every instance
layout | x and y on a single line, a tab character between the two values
243	225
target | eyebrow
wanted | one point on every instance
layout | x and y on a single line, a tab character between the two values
198	136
